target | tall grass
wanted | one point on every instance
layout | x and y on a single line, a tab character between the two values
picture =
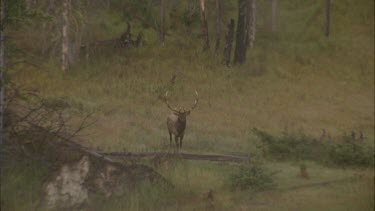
21	181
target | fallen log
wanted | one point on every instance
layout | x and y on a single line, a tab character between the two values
187	156
124	41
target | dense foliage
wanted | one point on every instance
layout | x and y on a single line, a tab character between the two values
251	176
343	151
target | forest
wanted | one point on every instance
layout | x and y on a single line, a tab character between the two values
187	105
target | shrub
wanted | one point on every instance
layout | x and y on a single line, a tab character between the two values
291	146
254	177
350	152
345	151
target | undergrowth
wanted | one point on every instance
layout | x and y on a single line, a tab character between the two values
255	177
343	151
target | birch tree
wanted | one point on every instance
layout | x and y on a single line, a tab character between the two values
2	72
206	42
251	23
65	36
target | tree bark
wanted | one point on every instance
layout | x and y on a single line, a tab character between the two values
328	17
191	9
218	25
2	74
28	4
206	42
273	23
47	28
75	28
240	51
251	23
228	43
162	21
78	42
65	36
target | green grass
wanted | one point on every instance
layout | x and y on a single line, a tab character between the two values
21	180
194	179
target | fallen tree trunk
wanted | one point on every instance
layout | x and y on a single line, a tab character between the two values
125	41
187	156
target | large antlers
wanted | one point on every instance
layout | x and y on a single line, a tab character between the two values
195	102
183	109
166	102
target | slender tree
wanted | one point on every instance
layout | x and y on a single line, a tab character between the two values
251	23
240	50
273	22
206	42
2	74
75	31
28	4
190	11
218	25
65	36
47	28
162	21
328	17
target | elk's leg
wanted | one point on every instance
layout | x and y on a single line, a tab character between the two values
176	140
170	139
181	138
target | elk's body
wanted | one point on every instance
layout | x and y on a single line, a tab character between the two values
176	122
176	126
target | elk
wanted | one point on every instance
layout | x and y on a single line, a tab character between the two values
176	121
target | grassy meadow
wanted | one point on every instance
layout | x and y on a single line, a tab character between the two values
295	81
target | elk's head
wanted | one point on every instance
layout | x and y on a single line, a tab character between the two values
181	112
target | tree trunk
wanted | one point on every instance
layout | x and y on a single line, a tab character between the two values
76	27
75	43
28	4
218	25
273	23
206	42
251	23
162	21
240	51
2	74
228	42
191	7
65	36
328	17
46	29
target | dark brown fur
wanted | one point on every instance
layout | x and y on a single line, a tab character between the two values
176	123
